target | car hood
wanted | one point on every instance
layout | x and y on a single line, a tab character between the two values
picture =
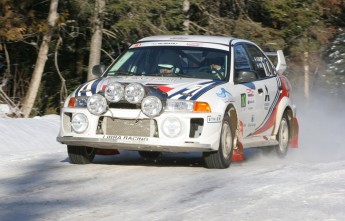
176	88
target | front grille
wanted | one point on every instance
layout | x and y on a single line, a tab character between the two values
145	127
123	105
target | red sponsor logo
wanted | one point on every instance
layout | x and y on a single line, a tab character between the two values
250	92
164	88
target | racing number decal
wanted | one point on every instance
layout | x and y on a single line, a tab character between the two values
267	97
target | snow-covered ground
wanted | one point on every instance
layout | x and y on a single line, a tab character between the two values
38	183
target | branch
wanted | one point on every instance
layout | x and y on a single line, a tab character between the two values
14	108
63	90
109	33
202	28
245	14
105	52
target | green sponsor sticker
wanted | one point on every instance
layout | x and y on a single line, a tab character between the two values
243	100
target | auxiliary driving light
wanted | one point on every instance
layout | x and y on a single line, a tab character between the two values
97	104
114	92
151	106
134	93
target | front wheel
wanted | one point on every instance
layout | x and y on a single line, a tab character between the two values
283	137
80	154
221	159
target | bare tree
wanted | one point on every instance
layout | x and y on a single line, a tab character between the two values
186	8
35	82
96	39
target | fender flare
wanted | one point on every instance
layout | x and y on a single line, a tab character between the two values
232	112
283	107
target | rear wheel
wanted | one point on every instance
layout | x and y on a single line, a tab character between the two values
81	154
283	137
221	159
149	154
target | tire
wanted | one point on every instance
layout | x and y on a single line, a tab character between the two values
283	137
80	154
149	154
221	159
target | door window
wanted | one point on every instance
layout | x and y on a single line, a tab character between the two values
260	62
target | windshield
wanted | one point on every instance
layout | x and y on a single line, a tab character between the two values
190	62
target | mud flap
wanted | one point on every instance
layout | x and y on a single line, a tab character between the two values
294	138
238	154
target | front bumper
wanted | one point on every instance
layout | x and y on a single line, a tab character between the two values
108	135
134	143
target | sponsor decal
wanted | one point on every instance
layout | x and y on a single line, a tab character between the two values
225	95
214	119
164	88
144	78
250	92
267	97
251	102
272	109
243	100
137	45
193	44
125	139
179	38
89	88
163	43
196	91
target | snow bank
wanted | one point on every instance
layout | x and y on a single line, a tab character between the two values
20	136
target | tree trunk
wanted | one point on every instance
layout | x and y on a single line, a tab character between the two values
186	7
96	39
306	74
35	82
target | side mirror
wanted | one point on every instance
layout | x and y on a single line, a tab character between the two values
246	76
98	70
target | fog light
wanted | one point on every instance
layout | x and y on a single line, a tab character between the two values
79	123
172	127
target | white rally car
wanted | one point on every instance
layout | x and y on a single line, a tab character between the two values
209	94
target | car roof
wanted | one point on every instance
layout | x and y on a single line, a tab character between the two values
189	38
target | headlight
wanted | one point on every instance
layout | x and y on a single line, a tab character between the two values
151	106
97	104
172	127
114	91
79	123
77	102
134	93
179	105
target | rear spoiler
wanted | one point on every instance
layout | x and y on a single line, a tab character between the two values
281	64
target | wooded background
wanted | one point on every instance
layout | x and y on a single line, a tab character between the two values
47	47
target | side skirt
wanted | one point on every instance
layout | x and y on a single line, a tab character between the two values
259	141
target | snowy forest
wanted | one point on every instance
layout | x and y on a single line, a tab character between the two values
48	47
